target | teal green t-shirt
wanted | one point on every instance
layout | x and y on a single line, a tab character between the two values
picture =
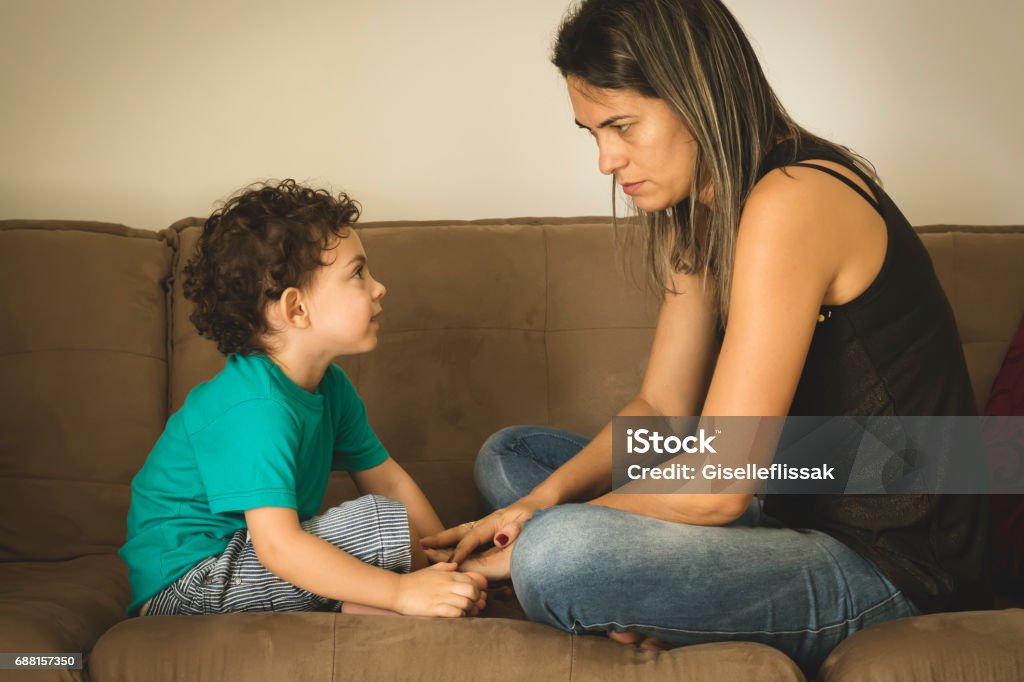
250	437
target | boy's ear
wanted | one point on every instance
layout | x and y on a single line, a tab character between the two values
293	309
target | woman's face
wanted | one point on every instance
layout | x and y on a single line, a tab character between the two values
641	140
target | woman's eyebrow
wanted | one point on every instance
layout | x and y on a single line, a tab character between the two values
604	123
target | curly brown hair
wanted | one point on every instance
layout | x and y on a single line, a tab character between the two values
264	239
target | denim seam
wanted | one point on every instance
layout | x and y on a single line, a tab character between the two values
577	623
521	440
835	560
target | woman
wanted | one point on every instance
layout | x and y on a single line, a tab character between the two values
792	286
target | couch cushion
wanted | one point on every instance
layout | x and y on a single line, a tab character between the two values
600	317
1007	511
976	645
83	377
60	607
323	647
979	268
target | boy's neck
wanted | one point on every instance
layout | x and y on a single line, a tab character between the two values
302	368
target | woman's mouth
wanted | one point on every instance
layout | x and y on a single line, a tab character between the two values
632	188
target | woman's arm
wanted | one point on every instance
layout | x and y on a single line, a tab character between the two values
787	256
790	246
788	253
675	382
391	480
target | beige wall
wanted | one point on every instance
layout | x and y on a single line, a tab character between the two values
143	112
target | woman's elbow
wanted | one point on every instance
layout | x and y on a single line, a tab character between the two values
716	509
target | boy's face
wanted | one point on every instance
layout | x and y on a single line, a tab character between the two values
344	300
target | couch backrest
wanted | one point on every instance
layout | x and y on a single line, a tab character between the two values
486	324
493	323
83	375
982	271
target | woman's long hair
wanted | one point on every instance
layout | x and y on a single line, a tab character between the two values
694	55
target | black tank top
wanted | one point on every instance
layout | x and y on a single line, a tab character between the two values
893	350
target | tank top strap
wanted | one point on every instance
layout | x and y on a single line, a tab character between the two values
845	180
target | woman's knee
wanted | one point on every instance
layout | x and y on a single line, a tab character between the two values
489	470
501	442
556	561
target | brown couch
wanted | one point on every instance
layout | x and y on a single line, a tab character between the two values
487	324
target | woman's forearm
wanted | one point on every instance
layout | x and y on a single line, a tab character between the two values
694	509
589	474
587	477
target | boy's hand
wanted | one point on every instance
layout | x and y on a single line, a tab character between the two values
440	590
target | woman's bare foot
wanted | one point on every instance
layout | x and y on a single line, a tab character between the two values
494	564
637	639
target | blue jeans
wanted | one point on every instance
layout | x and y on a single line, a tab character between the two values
587	568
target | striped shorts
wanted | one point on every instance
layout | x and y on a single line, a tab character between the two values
372	528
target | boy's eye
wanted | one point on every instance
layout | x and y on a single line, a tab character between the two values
359	272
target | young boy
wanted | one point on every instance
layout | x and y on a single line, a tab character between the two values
222	516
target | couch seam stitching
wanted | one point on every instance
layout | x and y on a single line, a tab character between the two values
547	306
572	657
334	646
171	282
5	477
83	350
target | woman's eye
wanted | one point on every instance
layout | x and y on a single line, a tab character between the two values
624	127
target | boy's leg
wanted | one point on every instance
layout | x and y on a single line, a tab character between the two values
372	528
586	568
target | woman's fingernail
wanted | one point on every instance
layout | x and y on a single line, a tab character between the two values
501	539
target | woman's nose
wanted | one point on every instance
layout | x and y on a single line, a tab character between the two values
609	159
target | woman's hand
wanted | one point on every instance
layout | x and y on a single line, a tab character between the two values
501	527
493	564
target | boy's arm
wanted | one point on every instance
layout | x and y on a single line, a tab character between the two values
389	479
315	565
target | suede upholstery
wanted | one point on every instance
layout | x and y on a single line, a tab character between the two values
486	324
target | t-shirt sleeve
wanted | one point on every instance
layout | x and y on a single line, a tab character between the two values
246	457
356	446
